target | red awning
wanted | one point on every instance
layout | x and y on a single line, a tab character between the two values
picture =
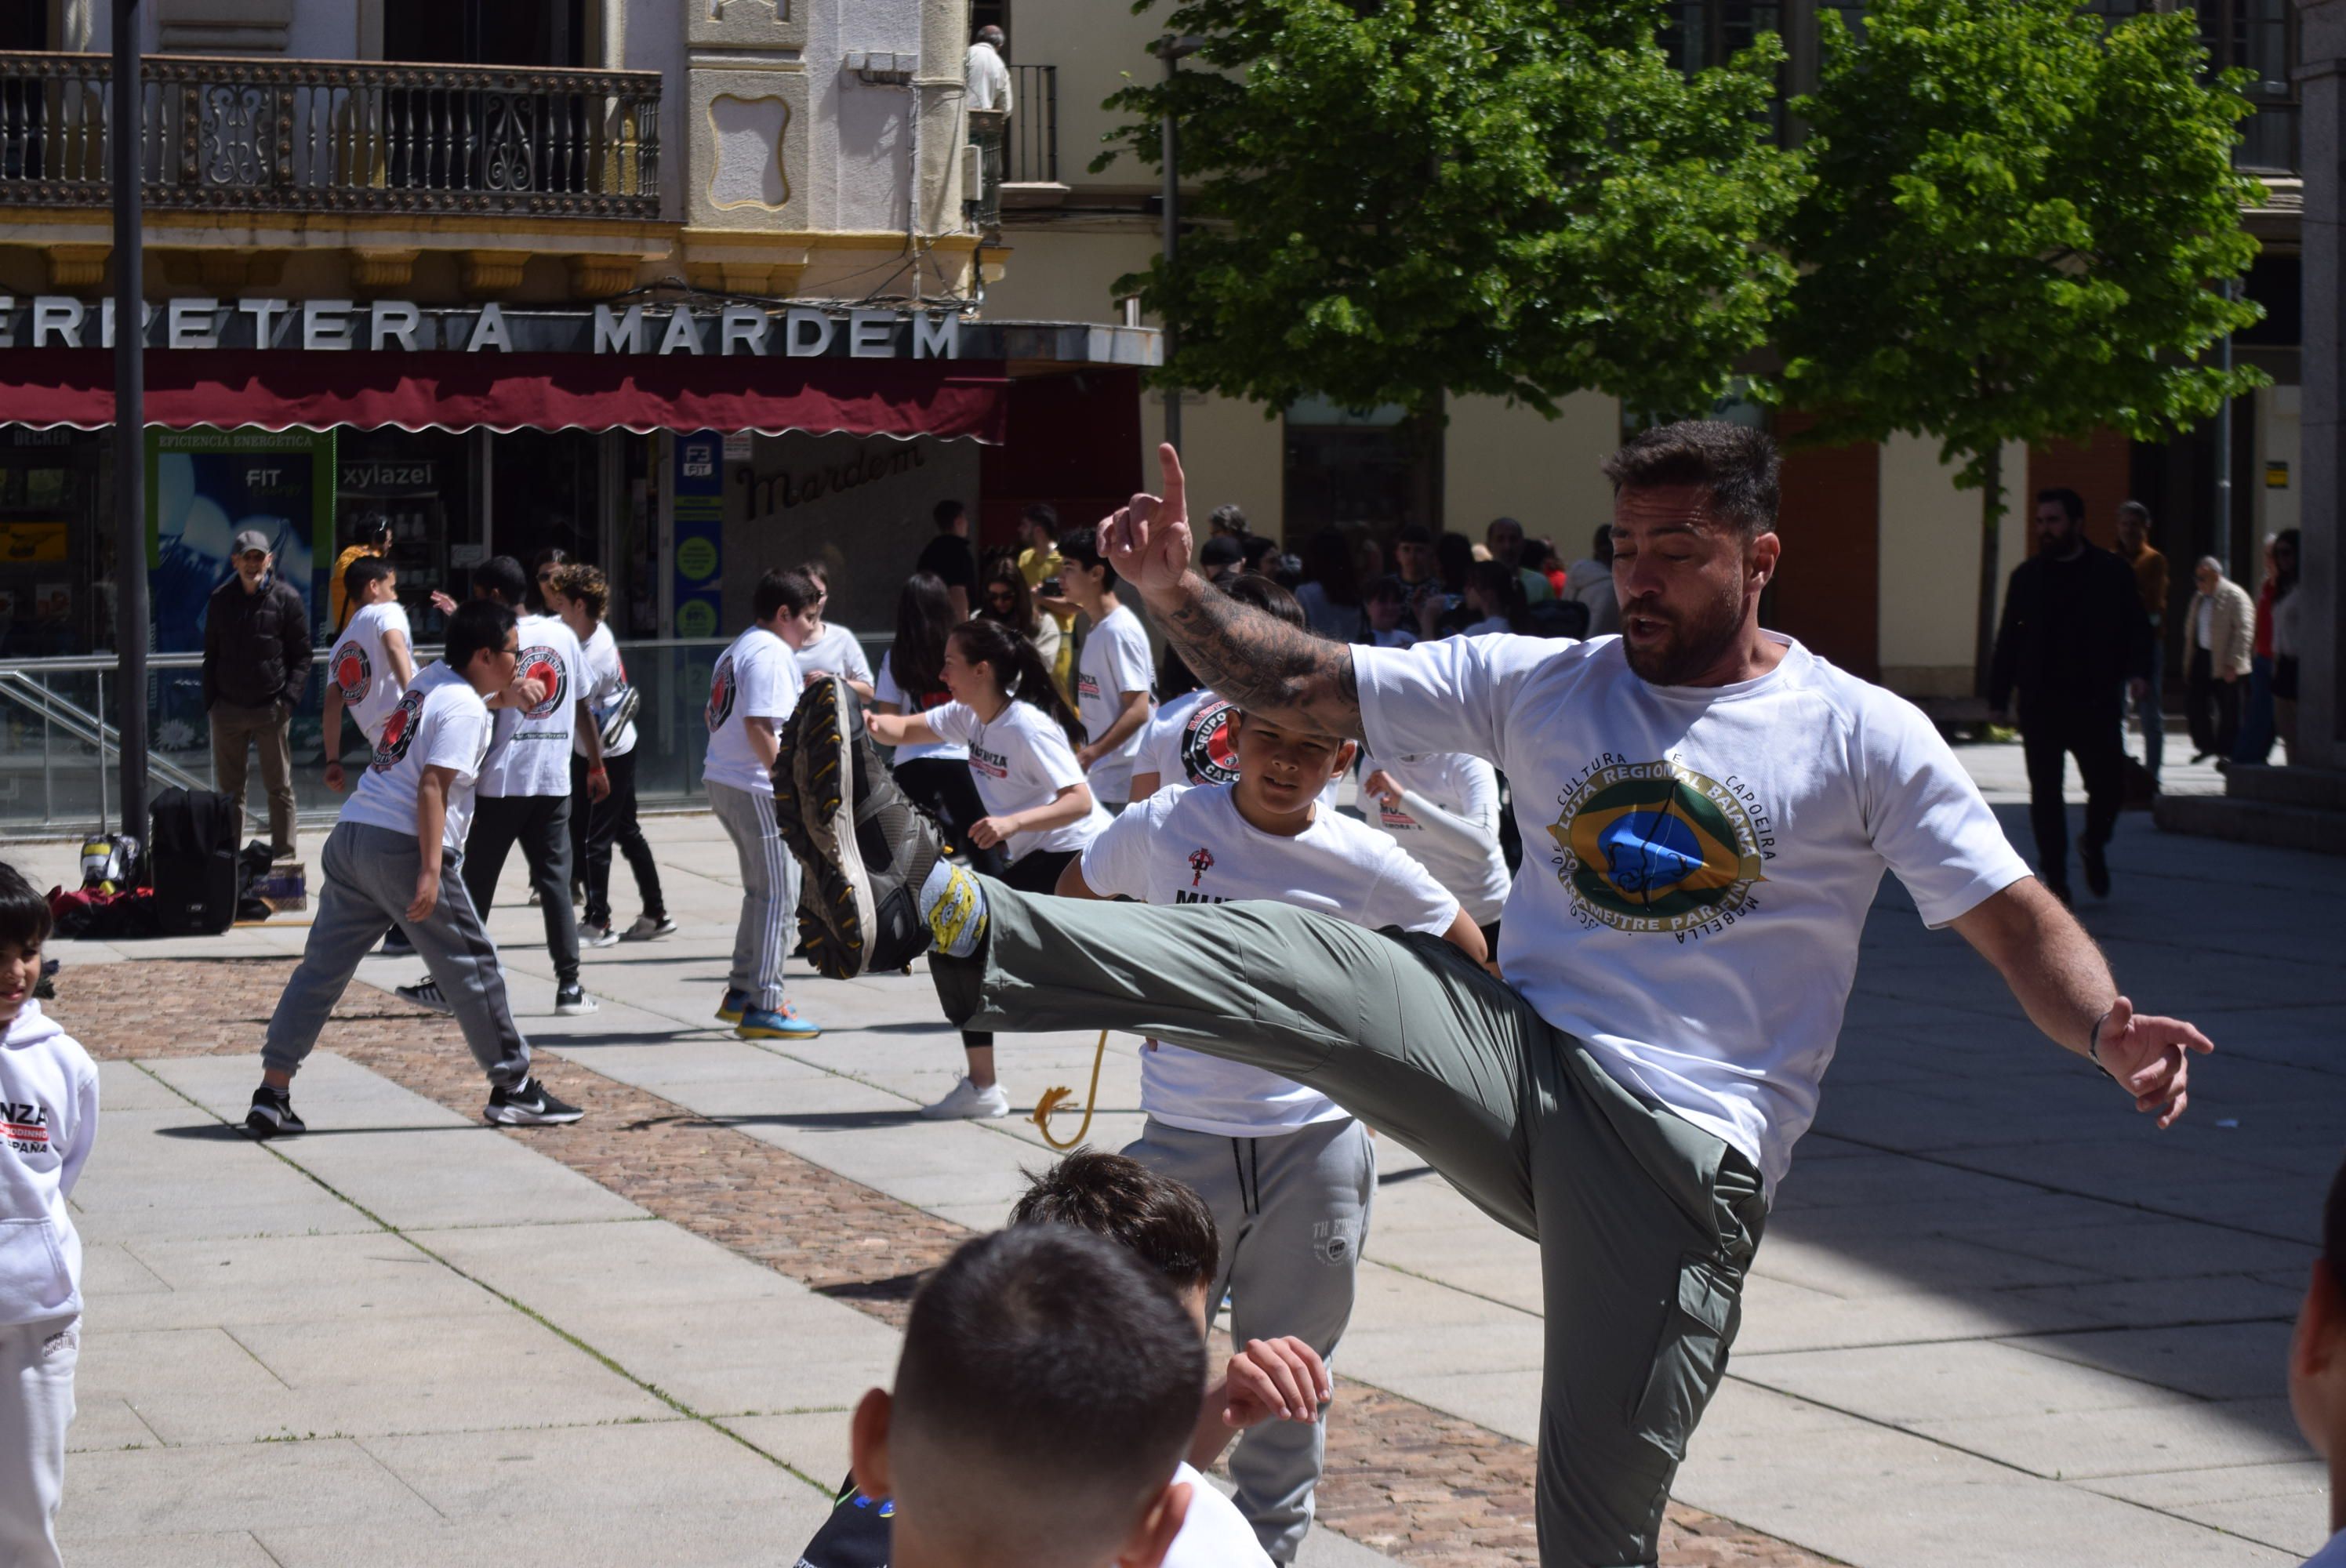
283	389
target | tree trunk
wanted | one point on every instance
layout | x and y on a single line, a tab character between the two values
1991	556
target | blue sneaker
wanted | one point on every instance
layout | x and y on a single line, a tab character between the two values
758	1023
735	1002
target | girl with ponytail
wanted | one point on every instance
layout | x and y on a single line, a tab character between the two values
1039	812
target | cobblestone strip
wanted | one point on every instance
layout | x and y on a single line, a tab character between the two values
1428	1488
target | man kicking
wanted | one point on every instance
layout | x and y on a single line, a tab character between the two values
1709	810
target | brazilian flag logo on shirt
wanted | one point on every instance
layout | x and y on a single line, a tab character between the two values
1656	846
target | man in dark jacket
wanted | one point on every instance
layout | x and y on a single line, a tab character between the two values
255	672
2074	644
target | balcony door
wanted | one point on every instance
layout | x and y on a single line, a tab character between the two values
24	25
486	31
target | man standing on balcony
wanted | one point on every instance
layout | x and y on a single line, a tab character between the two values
256	669
988	77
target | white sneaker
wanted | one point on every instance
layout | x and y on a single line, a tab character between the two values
969	1103
597	936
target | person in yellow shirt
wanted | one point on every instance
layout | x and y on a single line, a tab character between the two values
370	536
1038	563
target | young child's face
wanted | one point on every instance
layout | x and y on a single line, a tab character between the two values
1384	612
383	590
20	967
1281	771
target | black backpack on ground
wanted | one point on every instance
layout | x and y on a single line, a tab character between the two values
192	855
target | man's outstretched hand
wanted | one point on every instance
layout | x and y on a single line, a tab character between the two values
1148	539
2151	1058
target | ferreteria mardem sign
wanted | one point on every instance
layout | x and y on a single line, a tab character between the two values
401	326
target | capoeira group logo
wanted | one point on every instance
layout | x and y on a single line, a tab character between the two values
1658	847
720	695
1201	861
353	672
398	731
1208	754
542	664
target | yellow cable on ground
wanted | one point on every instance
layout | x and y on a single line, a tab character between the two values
1052	1097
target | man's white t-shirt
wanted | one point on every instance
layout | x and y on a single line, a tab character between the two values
1214	1533
439	722
1114	661
836	652
529	752
606	677
1466	787
1185	846
1019	759
1698	861
1189	742
757	677
361	671
886	689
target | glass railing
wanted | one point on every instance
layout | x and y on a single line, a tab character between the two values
59	770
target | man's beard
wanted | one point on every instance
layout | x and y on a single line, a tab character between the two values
1695	645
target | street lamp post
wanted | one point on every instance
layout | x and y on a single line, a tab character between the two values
123	144
1171	50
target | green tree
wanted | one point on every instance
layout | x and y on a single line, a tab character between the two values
1517	197
2016	221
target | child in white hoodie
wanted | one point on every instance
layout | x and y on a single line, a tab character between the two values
48	1116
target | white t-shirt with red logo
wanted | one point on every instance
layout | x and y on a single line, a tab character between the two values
757	677
1114	661
1472	865
1019	759
1189	742
529	754
361	671
1184	846
439	722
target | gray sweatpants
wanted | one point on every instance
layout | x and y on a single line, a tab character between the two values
367	880
1646	1223
769	892
1293	1213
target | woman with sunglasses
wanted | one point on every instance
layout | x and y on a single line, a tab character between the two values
1010	601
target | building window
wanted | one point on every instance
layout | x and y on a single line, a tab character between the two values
1357	468
486	32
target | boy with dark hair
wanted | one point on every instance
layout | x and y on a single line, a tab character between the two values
1047	1388
48	1119
1113	683
372	663
387	862
2317	1367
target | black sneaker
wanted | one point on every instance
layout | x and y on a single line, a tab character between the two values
426	994
2096	866
272	1114
528	1106
866	848
571	1001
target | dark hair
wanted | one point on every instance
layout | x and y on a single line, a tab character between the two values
1737	465
1505	584
1453	558
1160	1220
371	528
1387	586
1253	548
1413	534
817	571
1601	544
779	590
923	617
1080	547
1328	561
1054	1362
1537	554
1266	594
1229	516
1019	672
25	917
501	577
1044	515
945	512
477	624
1021	618
2072	505
363	574
588	586
2333	1223
2285	578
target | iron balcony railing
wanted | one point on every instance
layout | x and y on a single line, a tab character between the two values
1032	155
331	135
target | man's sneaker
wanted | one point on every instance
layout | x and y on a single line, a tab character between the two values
736	1003
528	1106
536	899
395	945
572	1002
597	936
646	928
272	1116
969	1103
760	1023
427	995
866	848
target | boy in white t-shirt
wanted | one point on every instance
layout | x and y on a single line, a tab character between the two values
373	661
1114	684
1443	808
396	857
1287	1172
48	1119
2317	1367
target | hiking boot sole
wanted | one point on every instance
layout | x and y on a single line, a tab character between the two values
819	825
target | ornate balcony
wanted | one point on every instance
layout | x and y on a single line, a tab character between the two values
347	136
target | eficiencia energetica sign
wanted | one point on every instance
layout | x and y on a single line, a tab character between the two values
401	326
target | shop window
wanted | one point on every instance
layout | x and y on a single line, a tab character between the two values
1356	467
422	481
545	489
49	516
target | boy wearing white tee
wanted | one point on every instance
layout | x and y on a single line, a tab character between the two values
48	1120
373	661
1189	740
388	861
754	688
1443	808
1114	680
1287	1172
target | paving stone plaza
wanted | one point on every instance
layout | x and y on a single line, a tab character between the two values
1996	1319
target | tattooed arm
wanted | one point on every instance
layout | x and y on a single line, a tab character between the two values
1254	659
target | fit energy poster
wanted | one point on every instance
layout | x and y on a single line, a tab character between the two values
205	487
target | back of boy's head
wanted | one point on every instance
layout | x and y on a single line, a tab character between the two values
1254	588
1160	1220
779	591
1048	1389
24	914
503	578
477	624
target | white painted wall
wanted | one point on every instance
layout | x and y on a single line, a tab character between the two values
324	30
858	148
651	38
1930	564
1095	44
1502	462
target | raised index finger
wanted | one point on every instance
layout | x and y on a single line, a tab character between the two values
1177	486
